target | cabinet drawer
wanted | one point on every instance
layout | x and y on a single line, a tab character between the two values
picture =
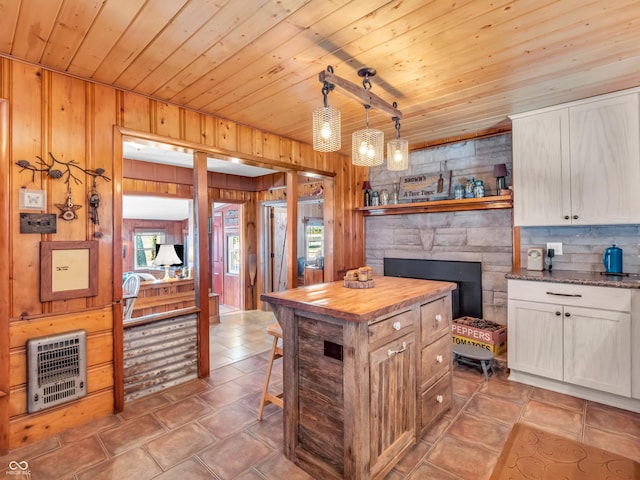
435	319
396	325
436	360
436	400
587	296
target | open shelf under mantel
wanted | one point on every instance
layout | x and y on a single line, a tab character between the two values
465	204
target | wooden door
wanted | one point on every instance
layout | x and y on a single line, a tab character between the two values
535	336
217	253
393	400
279	246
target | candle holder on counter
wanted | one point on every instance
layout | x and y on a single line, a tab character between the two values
359	278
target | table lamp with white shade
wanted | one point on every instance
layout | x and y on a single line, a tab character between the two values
166	257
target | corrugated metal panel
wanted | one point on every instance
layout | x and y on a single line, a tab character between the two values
160	355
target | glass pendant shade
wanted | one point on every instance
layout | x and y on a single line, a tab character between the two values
326	129
397	154
367	147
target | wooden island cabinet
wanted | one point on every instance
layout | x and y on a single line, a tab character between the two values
366	372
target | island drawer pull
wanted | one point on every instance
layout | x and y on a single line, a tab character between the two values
577	295
391	353
439	358
439	399
397	325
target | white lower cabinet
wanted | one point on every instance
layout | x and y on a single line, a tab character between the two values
574	334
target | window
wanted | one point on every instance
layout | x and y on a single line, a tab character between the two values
314	239
144	247
233	254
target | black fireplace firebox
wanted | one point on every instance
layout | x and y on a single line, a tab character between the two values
466	299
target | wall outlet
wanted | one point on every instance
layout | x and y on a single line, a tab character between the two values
557	247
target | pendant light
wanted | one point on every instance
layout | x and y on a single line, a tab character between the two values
397	149
367	148
326	124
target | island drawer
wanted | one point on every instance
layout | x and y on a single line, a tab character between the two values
435	360
436	400
399	324
435	319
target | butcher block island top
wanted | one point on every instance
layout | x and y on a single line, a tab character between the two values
355	304
366	372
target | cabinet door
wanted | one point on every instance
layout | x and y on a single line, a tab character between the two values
541	158
597	346
605	165
393	400
534	338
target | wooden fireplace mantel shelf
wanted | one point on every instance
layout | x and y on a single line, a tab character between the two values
466	204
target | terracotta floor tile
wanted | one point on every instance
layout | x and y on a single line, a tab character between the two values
428	471
463	387
30	451
225	459
132	464
502	410
179	444
463	459
142	406
613	420
186	390
506	390
223	375
270	430
457	404
481	431
560	399
553	416
61	463
89	429
131	434
435	431
412	457
277	467
181	412
191	469
224	394
620	444
577	436
228	420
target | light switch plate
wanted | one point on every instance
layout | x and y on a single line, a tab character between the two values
557	247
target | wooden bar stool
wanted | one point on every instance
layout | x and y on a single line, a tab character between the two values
276	352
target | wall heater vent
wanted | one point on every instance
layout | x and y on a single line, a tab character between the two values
57	369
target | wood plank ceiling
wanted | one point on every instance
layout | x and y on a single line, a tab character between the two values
455	68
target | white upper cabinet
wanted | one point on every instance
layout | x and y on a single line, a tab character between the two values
578	164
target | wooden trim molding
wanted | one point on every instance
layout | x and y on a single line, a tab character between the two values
5	210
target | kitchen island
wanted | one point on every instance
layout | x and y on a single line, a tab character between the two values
366	372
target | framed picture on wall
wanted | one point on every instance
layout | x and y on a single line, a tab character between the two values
32	199
68	270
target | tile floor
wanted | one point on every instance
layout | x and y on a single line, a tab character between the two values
208	428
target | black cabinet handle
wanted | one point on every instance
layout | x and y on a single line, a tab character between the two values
558	314
578	295
566	217
567	314
575	217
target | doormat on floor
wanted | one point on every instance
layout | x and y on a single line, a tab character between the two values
531	453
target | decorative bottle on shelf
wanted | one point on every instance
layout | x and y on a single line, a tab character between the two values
470	186
458	192
478	189
375	199
367	198
395	194
384	197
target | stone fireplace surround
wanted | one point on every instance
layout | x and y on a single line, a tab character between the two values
483	236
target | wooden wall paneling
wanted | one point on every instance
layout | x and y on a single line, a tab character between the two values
249	235
209	129
67	125
271	144
28	121
25	429
292	231
136	112
5	284
329	229
201	240
226	135
244	143
166	120
192	127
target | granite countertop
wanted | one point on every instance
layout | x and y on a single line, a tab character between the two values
579	278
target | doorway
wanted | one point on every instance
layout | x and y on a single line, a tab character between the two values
227	262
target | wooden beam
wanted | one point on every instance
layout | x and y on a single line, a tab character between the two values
360	94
